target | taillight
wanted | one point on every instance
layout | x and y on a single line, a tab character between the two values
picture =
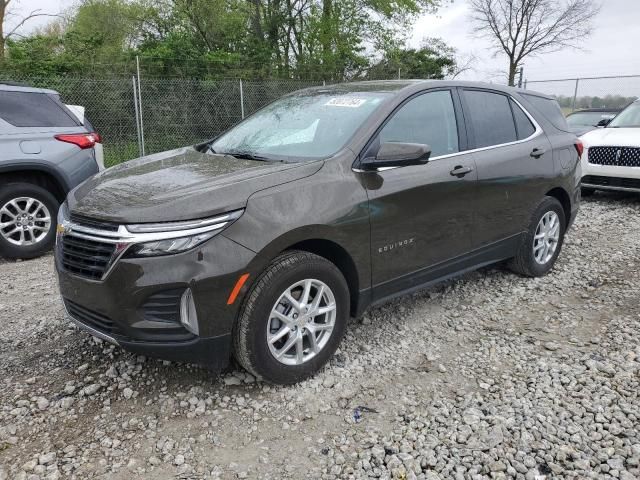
82	140
579	147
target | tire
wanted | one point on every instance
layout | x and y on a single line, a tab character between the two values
587	192
38	241
251	347
525	262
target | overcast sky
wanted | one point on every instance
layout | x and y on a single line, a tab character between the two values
611	50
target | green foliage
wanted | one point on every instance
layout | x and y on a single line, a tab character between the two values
433	60
332	40
608	101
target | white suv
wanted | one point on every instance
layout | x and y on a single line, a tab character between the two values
611	157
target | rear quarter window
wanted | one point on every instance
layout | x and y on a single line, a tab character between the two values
550	109
30	109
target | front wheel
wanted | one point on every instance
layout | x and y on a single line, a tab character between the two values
27	220
293	318
541	245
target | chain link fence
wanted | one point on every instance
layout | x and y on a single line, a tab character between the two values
590	92
174	112
153	114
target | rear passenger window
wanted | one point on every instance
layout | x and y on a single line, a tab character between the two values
430	119
490	115
27	109
523	124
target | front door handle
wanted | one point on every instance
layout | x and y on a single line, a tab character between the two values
460	171
538	152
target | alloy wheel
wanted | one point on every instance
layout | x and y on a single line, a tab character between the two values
547	237
301	322
24	221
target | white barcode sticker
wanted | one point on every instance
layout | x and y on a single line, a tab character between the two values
349	102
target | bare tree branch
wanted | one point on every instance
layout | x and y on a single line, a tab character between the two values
33	14
522	28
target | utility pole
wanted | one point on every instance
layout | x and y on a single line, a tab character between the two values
521	71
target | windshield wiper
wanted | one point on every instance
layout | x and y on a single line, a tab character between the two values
250	156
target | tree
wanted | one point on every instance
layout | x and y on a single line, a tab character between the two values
6	14
434	59
296	39
522	28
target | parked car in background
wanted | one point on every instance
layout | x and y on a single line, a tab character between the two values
583	121
264	241
611	157
46	149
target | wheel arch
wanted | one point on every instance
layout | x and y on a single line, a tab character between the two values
563	197
319	240
37	174
337	255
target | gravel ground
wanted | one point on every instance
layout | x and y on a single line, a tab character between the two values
487	376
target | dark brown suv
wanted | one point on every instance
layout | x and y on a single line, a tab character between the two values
262	242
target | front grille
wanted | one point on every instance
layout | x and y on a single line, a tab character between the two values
93	223
95	320
86	258
613	182
615	156
163	306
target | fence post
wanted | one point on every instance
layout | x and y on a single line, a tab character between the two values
398	73
140	105
241	100
575	96
135	105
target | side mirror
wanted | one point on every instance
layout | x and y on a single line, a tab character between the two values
397	154
604	122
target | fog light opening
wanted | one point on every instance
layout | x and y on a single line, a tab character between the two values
188	316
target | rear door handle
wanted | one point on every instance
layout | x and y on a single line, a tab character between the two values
460	171
537	152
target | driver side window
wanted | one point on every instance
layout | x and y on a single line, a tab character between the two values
428	118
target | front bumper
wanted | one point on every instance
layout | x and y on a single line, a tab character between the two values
135	305
610	177
213	352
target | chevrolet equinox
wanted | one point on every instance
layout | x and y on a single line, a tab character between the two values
261	243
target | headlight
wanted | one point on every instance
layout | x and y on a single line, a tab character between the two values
169	246
167	238
63	213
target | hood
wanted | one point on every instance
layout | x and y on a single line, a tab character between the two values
181	184
612	137
581	130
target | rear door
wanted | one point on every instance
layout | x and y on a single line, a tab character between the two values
420	215
513	156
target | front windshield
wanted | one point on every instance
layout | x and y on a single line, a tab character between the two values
628	118
587	119
306	126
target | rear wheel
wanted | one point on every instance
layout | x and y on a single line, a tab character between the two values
293	318
27	220
541	245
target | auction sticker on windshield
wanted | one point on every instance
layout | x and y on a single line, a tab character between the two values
350	102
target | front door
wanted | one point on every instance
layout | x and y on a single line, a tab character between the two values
421	216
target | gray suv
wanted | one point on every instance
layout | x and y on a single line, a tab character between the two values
45	151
